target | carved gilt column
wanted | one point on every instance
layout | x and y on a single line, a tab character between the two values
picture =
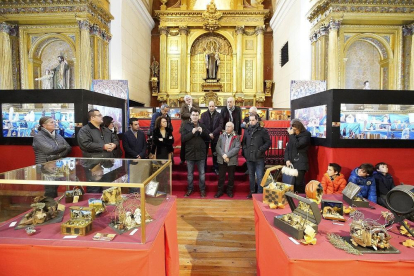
163	59
105	55
6	73
322	37
260	60
333	68
313	56
86	61
409	31
183	57
239	80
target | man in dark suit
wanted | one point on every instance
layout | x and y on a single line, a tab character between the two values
164	109
185	117
134	142
232	113
214	124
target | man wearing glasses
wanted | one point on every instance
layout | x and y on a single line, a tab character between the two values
96	141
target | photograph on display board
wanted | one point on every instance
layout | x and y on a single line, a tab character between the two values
114	88
262	112
114	112
140	112
377	121
22	119
277	115
299	88
314	119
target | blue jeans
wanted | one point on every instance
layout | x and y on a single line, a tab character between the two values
256	171
201	171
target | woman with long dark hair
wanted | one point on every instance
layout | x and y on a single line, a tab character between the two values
163	139
296	152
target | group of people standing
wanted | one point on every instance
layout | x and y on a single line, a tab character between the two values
219	130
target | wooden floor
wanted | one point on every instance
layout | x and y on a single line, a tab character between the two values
216	237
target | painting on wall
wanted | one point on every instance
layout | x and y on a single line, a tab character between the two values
114	88
299	89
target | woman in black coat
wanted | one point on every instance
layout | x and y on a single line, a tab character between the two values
163	139
296	152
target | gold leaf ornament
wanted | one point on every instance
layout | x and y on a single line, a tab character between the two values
309	236
408	243
404	231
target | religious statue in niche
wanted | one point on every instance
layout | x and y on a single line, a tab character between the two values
155	68
47	80
212	61
61	78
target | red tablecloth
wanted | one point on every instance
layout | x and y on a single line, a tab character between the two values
277	255
48	253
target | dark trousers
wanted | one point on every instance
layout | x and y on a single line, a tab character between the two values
256	172
223	169
182	152
213	151
299	182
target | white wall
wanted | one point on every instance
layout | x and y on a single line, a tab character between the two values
130	47
289	24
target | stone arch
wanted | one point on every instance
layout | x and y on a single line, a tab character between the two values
196	53
375	64
39	60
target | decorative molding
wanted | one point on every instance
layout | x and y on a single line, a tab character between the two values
183	30
239	30
259	30
408	30
211	17
142	10
334	24
84	24
163	30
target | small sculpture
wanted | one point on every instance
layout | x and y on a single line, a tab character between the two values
47	80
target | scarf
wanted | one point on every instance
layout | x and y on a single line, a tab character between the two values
231	113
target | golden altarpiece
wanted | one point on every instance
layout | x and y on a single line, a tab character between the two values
212	54
363	40
33	33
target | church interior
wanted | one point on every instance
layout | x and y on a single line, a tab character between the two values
353	60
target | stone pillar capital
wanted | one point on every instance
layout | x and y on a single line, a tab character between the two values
334	24
183	30
260	30
239	30
408	29
163	30
6	28
324	30
313	37
95	30
84	24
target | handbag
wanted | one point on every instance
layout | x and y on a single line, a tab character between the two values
289	175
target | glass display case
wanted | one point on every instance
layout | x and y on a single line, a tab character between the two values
358	118
128	197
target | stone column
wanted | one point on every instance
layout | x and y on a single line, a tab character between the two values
409	31
163	59
321	37
239	51
183	56
333	68
85	55
97	51
6	73
260	61
313	56
105	57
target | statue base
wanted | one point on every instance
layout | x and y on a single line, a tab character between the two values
211	96
211	86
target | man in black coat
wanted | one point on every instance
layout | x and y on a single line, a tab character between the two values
232	113
214	123
185	113
256	142
134	143
194	134
96	141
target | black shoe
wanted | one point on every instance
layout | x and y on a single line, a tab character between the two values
203	194
230	194
182	162
216	172
246	172
188	193
249	196
218	194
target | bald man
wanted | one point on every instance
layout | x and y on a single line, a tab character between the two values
232	113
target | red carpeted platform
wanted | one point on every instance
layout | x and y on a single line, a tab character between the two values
179	181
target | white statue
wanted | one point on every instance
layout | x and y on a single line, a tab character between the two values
137	216
61	77
47	80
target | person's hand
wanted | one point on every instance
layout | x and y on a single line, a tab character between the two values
227	160
224	156
138	157
194	130
288	163
113	145
211	136
290	130
200	129
108	147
